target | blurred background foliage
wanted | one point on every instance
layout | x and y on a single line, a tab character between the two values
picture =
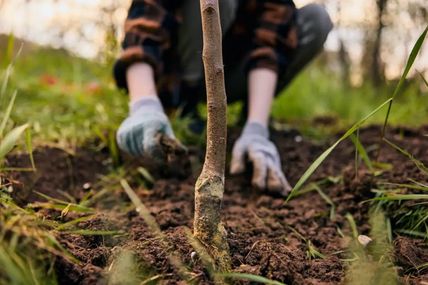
63	52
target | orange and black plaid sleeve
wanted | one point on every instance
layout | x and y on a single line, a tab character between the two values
275	34
149	29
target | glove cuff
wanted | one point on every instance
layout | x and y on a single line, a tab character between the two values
152	104
252	128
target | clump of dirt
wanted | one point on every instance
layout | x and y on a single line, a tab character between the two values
412	256
296	242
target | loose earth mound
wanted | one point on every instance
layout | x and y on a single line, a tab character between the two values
299	242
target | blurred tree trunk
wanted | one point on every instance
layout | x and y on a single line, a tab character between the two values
344	60
345	63
374	66
378	70
209	188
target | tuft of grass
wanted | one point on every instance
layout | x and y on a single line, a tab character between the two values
372	264
68	100
9	137
27	245
22	269
406	207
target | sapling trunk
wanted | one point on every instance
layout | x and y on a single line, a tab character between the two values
209	189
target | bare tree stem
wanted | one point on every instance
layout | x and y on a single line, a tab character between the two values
209	189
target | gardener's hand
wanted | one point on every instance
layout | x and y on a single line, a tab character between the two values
140	133
262	153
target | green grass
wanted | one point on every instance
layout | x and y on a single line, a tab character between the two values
27	245
406	206
69	100
319	92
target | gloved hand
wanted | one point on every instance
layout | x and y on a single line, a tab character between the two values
139	133
262	153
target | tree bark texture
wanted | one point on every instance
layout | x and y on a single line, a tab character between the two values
209	188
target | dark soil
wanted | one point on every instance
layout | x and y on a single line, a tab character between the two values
59	173
264	233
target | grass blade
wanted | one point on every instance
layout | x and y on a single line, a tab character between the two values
70	224
29	144
154	228
419	183
141	208
61	202
10	47
61	207
326	153
409	64
7	114
327	199
362	151
6	78
312	252
419	164
10	140
353	225
83	232
146	174
408	186
251	277
413	233
423	78
395	197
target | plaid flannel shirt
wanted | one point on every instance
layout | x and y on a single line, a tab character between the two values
264	32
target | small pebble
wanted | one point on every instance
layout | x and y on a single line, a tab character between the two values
298	139
87	186
193	256
364	240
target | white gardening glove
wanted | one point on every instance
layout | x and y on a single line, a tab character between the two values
254	145
139	133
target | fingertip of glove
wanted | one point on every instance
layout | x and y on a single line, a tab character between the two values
258	184
236	169
286	189
281	187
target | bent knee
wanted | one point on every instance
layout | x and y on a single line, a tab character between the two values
318	18
228	9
